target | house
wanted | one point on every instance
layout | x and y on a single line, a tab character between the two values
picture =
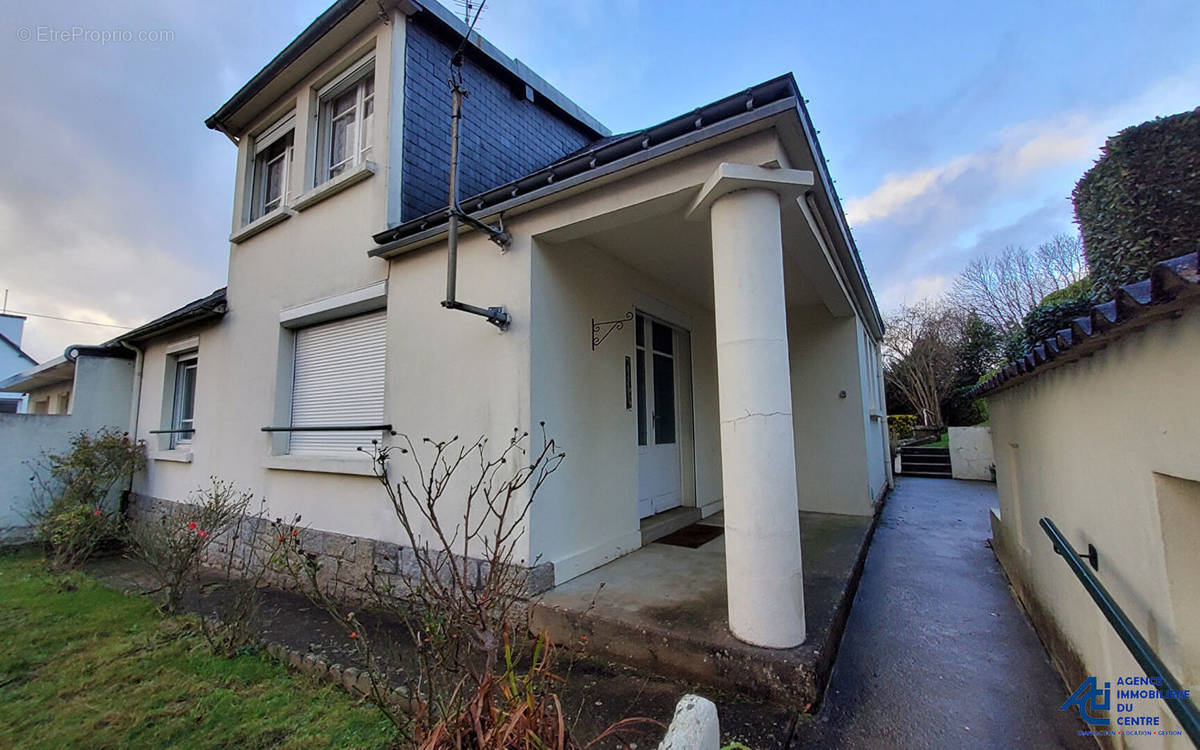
683	306
12	360
1098	431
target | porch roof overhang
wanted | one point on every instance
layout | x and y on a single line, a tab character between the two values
775	104
52	372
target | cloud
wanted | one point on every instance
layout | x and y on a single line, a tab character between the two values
1022	151
924	224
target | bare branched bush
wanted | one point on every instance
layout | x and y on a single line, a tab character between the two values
470	675
173	541
244	561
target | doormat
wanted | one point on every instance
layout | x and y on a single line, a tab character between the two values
692	536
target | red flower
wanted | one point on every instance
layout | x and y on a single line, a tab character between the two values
203	534
295	532
192	525
354	634
96	512
281	538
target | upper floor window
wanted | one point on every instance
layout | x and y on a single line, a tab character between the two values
346	125
271	171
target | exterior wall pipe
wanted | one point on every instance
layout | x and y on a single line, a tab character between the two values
494	315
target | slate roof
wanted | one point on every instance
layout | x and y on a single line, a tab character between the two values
1173	285
205	308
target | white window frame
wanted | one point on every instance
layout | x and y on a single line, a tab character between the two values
283	128
183	363
353	79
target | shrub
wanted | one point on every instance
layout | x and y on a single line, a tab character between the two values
901	426
174	543
74	506
453	500
1140	203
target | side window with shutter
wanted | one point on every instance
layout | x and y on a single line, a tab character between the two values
338	380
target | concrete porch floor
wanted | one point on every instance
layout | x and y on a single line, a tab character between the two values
662	609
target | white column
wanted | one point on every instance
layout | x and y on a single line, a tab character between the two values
758	461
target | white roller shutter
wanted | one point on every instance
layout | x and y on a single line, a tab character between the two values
338	380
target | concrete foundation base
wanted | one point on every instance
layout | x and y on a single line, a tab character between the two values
662	609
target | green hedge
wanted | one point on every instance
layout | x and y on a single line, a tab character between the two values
1140	203
1056	311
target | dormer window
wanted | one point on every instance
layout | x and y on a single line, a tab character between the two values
271	174
346	126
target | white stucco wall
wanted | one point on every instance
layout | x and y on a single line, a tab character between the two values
588	513
103	388
1108	447
833	473
447	373
971	455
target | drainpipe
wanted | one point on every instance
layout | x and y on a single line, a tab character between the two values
139	361
494	315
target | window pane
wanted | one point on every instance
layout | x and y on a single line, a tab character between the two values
339	147
368	127
662	336
641	334
664	400
270	176
345	102
641	396
184	411
273	185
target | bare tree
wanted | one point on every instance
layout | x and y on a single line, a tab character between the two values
919	355
1002	288
1062	259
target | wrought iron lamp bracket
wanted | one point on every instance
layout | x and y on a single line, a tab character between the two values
601	328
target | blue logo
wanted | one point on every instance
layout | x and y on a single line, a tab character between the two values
1088	698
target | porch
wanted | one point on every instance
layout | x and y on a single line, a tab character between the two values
663	609
695	353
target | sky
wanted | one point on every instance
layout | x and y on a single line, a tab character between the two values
952	129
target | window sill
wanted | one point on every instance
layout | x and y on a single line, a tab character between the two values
177	456
361	467
259	224
334	186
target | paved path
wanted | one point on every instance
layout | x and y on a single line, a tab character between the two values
937	654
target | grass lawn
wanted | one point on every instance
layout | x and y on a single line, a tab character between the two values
97	668
941	442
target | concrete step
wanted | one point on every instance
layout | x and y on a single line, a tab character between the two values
662	610
668	522
923	451
907	463
905	472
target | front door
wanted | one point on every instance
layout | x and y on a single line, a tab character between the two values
659	485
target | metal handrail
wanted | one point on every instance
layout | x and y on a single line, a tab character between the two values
1185	711
332	428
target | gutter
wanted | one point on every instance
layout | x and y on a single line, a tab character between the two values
603	160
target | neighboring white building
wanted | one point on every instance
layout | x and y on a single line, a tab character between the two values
12	360
688	313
